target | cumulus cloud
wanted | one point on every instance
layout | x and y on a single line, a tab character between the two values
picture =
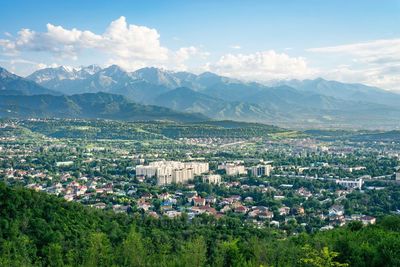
375	62
133	46
126	44
263	66
183	54
379	76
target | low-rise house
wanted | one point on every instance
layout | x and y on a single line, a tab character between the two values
266	215
336	210
236	197
303	192
99	190
154	214
368	220
226	201
144	205
241	209
279	197
164	196
173	214
211	200
120	208
253	213
69	197
225	209
100	205
298	210
284	211
147	196
198	201
190	195
204	209
166	205
274	223
248	199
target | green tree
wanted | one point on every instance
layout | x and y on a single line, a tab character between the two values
228	254
323	258
99	251
133	250
194	253
54	255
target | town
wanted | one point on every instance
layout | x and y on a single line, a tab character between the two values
291	181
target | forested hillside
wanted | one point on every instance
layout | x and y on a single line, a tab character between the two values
41	230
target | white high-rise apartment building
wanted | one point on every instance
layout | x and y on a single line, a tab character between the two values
198	167
146	171
168	172
261	170
232	169
181	176
212	179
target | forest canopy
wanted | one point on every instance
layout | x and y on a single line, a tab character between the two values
37	229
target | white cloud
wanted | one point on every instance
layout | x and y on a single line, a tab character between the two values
375	62
126	44
263	66
132	41
132	46
183	54
376	51
382	77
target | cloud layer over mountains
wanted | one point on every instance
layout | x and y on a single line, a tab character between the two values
133	47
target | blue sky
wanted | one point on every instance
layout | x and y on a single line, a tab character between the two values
352	41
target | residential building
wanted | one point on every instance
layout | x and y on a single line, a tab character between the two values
351	184
336	210
368	220
232	169
260	170
199	201
168	172
212	179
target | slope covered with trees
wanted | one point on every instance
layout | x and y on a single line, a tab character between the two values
41	230
99	105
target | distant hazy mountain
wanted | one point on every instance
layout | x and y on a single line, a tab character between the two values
346	91
99	105
187	100
11	84
158	77
306	103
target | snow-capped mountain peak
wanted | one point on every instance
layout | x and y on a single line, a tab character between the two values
63	73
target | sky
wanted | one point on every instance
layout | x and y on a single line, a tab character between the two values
349	41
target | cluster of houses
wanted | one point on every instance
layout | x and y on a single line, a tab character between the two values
337	217
173	204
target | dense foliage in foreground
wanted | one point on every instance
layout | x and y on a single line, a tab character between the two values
41	230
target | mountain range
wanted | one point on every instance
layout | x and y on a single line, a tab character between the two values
11	84
293	103
22	98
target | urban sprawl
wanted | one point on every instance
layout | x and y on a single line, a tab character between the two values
294	181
